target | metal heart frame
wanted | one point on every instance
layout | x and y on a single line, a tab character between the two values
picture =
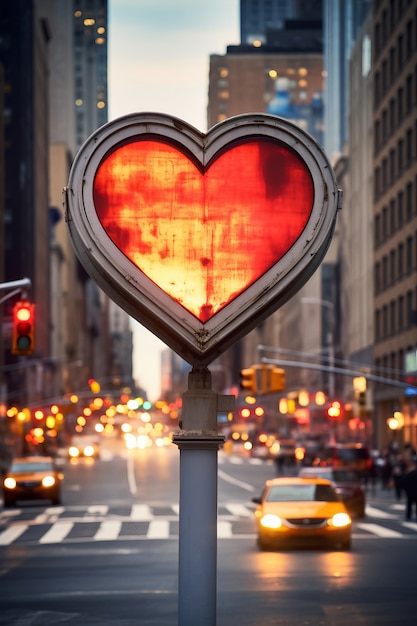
198	343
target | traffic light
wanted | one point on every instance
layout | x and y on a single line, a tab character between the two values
23	333
334	410
277	379
248	380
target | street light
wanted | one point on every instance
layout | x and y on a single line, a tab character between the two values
329	338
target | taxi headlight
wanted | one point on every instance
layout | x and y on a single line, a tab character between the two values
339	520
89	451
74	452
271	521
48	481
9	483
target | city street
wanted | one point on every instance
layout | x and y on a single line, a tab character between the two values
109	554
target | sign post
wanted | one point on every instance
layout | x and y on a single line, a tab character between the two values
200	237
198	444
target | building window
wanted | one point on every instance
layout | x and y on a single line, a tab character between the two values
409	202
384	223
392	166
392	216
400	105
400	51
384	272
392	317
409	147
384	175
377	228
392	263
400	155
400	260
391	116
400	209
377	183
401	313
409	94
409	40
409	255
384	321
384	126
392	65
377	139
377	277
409	319
378	325
377	88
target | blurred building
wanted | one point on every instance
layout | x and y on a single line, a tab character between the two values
282	74
395	211
53	60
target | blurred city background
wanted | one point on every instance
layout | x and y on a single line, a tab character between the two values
345	71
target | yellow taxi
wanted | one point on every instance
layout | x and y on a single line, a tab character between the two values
301	511
32	478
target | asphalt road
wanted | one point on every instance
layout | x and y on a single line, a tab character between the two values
109	554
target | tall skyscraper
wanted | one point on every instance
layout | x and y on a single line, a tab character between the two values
90	66
258	16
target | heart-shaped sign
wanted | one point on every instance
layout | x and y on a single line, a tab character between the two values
199	237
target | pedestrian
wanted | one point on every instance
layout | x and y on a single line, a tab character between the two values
386	472
398	472
409	484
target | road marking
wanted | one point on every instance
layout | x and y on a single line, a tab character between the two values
57	532
236	460
158	529
109	529
380	531
224	530
410	525
235	481
141	513
176	508
11	534
377	513
239	509
131	480
98	509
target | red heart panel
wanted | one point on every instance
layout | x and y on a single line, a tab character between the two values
203	235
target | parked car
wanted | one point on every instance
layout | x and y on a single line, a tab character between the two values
301	511
32	478
354	456
347	483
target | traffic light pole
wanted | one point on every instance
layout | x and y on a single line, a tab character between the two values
198	443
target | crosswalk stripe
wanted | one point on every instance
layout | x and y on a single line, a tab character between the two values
224	530
141	513
410	525
373	512
236	460
109	529
158	529
57	532
98	509
11	534
380	531
239	509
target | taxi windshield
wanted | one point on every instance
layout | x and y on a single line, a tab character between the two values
302	493
22	468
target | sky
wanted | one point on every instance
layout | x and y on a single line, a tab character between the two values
159	55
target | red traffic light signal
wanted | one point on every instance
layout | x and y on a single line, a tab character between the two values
334	410
23	333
